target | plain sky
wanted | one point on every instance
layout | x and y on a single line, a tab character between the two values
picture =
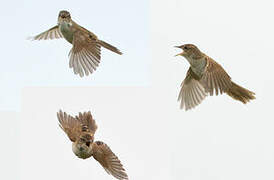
45	63
221	139
10	148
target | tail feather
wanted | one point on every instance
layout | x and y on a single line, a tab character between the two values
241	94
110	47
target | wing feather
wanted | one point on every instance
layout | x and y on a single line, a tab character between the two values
70	125
78	126
87	121
110	162
192	92
85	53
52	33
215	78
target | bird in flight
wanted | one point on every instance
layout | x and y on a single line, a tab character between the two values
206	76
80	130
85	55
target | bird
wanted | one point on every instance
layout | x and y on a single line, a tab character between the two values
80	130
85	55
205	76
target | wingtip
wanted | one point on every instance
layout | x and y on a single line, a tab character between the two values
60	111
59	115
30	38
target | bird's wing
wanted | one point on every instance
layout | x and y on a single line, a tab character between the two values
110	162
87	122
71	126
52	33
192	92
102	43
85	54
215	78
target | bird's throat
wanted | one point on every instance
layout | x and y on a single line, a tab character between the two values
81	153
197	65
66	30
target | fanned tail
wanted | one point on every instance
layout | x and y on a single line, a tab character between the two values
241	94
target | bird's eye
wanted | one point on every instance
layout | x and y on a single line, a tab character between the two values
185	47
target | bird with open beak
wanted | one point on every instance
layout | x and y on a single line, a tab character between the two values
85	54
81	130
204	77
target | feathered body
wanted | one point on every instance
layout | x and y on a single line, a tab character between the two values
81	130
85	54
206	76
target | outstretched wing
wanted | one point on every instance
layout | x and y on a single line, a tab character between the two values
110	162
87	122
71	126
52	33
85	54
215	78
192	92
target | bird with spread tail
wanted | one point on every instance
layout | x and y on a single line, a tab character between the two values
80	130
206	76
85	54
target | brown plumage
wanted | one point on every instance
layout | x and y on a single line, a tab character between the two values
80	130
239	93
109	47
85	54
206	76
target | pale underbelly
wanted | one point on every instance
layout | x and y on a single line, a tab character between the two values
198	67
83	155
66	32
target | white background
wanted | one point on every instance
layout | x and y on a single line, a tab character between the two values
122	23
10	145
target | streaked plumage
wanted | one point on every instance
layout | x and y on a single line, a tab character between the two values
80	130
205	76
85	54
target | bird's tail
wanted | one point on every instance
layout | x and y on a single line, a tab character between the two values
110	47
241	94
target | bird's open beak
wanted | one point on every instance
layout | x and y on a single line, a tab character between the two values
180	54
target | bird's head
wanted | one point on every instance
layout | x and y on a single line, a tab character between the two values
83	146
189	51
64	16
82	149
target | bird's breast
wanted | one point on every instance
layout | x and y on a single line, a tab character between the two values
82	153
66	30
198	66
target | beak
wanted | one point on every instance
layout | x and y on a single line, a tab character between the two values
180	54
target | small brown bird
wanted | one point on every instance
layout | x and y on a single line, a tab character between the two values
85	54
206	76
81	130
